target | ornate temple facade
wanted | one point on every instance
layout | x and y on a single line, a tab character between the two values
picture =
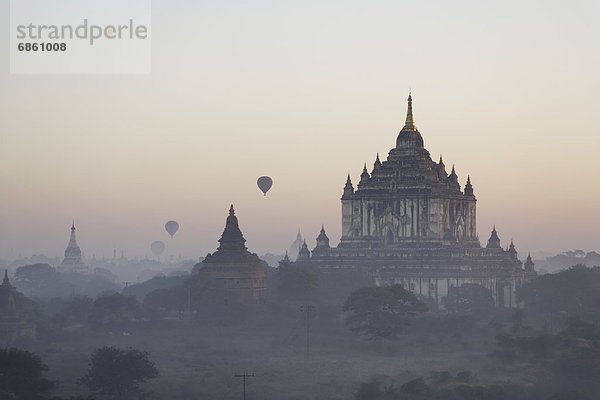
234	275
17	314
408	221
73	261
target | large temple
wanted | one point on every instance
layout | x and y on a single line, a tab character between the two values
233	274
408	221
73	261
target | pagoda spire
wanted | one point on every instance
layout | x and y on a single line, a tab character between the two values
6	281
232	238
73	257
348	188
73	239
469	187
529	265
377	162
453	177
410	122
494	240
364	177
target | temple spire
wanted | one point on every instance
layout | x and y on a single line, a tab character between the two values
377	162
348	188
73	258
469	187
494	240
6	281
364	177
410	123
232	238
73	239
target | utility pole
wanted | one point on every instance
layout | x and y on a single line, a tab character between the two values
244	376
307	309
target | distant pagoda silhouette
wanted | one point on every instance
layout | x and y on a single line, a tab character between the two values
73	260
17	314
295	246
234	275
409	222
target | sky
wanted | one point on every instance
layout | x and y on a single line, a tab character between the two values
306	92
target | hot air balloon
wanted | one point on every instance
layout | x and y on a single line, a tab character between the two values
264	184
157	248
172	227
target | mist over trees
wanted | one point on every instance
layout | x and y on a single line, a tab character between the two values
118	374
21	375
547	348
381	312
572	292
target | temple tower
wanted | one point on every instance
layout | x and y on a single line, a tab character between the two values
408	198
234	275
73	261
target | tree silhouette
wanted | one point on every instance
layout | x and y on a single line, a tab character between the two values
469	298
21	375
381	312
36	278
567	293
117	374
296	280
114	310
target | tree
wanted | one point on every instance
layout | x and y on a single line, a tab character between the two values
570	292
118	374
381	312
176	298
142	289
74	311
114	309
36	278
21	375
369	391
296	280
469	298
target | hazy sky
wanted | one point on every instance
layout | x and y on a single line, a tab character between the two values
508	91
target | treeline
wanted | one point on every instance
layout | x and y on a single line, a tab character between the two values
560	366
113	374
